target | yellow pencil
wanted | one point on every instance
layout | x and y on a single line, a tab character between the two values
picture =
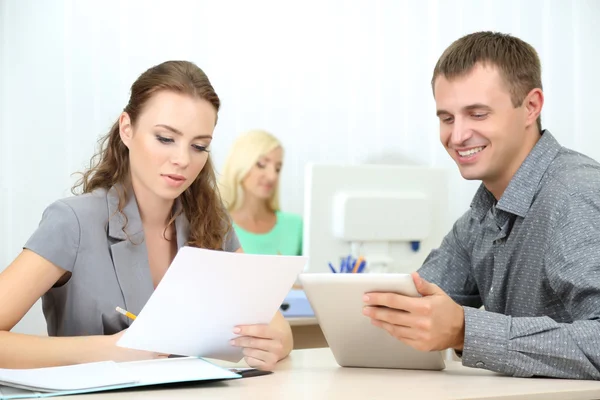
125	313
357	264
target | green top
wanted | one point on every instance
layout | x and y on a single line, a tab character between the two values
285	238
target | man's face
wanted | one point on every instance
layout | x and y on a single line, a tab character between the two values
479	126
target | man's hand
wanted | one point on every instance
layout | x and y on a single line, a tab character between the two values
263	345
429	323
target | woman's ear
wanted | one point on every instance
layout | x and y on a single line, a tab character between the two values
125	129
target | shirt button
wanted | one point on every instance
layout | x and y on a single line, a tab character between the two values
480	364
491	289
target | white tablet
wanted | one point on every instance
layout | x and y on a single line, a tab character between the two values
337	302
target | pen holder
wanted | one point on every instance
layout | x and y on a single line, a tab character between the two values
350	265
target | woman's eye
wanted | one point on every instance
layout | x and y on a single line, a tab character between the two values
164	139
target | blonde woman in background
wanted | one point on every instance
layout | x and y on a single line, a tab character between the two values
250	189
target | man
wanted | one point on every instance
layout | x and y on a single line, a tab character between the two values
528	250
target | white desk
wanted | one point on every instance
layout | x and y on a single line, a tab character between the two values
313	374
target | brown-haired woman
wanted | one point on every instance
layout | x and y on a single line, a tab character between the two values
150	190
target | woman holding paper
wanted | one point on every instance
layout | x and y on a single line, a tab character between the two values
250	190
150	190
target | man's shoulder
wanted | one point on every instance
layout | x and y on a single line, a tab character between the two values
571	184
572	173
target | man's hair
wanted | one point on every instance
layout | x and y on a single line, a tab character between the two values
517	61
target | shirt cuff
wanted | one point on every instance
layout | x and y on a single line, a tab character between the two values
486	340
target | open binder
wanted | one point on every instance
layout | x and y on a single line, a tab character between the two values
106	375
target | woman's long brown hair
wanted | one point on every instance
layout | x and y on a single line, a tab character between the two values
201	202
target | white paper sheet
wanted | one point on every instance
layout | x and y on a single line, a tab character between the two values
204	295
72	377
174	370
40	382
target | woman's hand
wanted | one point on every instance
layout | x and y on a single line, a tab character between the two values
264	345
116	353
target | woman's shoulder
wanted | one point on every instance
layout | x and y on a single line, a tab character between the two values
289	219
85	207
60	231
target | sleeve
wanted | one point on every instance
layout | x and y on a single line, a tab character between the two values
231	242
540	346
57	237
449	266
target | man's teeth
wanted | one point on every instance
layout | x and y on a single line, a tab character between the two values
471	151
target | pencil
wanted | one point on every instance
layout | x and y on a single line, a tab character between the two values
357	264
125	313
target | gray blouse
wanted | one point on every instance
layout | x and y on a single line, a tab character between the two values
106	254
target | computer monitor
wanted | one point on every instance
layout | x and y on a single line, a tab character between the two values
392	215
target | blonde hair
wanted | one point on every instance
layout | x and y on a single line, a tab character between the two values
244	154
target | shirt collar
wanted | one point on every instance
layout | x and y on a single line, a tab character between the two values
524	185
128	223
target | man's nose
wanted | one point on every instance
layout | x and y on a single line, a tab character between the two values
461	132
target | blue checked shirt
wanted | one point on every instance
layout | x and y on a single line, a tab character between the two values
532	259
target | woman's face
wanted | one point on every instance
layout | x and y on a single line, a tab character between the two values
263	178
168	144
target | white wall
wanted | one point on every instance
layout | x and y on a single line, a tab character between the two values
3	94
339	81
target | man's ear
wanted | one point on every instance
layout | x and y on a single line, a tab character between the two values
533	104
125	129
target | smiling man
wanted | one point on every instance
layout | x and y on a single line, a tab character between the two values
528	249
